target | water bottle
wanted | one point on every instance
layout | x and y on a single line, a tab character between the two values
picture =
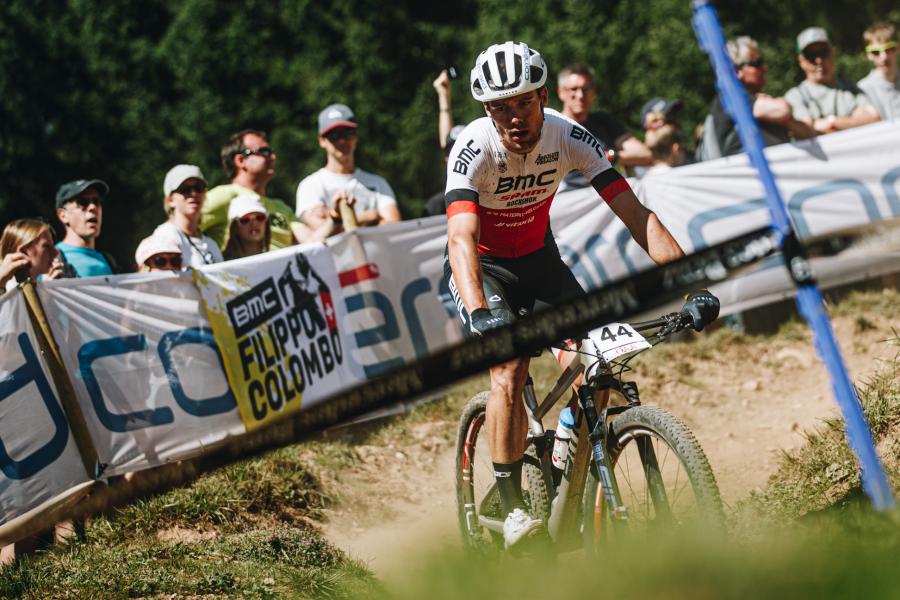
563	435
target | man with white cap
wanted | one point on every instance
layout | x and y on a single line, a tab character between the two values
185	194
821	100
340	180
79	207
158	253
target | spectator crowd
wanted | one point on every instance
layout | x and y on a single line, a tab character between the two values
238	219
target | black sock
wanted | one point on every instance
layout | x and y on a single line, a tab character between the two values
509	484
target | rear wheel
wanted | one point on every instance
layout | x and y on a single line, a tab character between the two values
663	476
479	509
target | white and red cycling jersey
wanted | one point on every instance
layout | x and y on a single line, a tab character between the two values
511	193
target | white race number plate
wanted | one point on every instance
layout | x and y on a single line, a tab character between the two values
615	339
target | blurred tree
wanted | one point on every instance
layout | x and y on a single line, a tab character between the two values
124	91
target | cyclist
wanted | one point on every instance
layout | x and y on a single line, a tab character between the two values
502	174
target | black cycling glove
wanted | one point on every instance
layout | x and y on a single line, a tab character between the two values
703	308
483	320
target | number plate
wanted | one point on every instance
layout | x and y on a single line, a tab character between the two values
615	339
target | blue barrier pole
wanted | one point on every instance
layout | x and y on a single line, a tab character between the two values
809	299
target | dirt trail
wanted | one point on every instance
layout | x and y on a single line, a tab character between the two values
745	405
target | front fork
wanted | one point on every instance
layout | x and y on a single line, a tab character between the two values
596	425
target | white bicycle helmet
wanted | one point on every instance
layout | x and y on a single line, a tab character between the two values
507	69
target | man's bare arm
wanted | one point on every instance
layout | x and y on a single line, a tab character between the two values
389	214
462	248
646	228
632	152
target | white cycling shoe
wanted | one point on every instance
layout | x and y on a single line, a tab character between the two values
519	526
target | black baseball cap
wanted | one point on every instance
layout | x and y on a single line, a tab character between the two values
69	190
660	105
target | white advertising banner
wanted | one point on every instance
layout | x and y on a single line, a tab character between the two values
38	455
280	317
145	367
391	279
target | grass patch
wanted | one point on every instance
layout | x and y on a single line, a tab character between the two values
824	473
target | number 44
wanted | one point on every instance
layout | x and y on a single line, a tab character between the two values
608	335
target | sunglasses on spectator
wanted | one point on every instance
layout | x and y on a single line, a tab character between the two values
84	203
756	63
258	217
877	49
811	54
164	262
187	190
342	133
264	151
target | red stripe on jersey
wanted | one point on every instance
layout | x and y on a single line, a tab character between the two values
614	189
461	206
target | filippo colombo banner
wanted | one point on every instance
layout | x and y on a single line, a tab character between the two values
281	318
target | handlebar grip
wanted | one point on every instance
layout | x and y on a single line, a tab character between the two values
702	308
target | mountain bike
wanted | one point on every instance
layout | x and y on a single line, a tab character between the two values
628	467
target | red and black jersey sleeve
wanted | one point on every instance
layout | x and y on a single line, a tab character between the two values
609	184
461	201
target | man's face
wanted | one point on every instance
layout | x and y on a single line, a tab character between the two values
885	58
254	161
752	72
817	62
577	94
340	142
83	214
519	119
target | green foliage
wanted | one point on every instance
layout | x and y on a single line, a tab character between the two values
123	91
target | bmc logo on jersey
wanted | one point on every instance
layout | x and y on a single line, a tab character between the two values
581	134
523	182
543	159
464	158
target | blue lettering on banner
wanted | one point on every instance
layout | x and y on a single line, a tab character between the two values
198	408
385	332
889	185
119	423
408	303
33	372
795	205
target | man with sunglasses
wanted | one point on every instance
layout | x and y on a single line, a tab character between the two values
79	207
249	162
774	115
881	85
340	180
821	100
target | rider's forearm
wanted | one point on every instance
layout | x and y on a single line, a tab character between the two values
661	246
466	272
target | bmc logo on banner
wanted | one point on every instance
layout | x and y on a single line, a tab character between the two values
285	336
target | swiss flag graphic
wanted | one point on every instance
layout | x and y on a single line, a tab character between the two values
328	308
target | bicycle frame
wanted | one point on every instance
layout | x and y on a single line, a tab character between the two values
587	447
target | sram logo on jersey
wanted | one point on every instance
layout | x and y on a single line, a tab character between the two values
464	158
543	159
523	182
582	134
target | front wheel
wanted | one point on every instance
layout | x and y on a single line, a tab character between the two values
663	477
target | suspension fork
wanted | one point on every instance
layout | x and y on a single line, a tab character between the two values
596	425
